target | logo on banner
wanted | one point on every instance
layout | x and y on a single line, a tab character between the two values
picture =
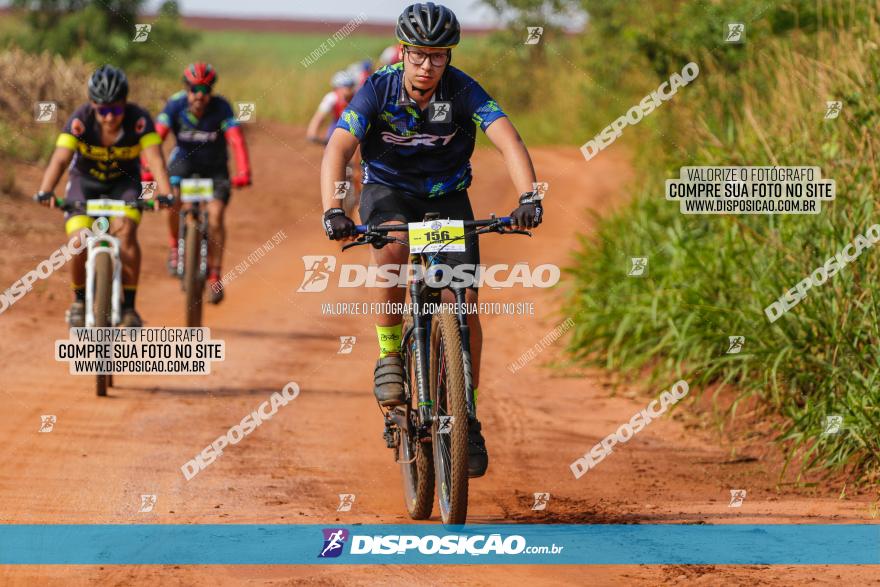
334	539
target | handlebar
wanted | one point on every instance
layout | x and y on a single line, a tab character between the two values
65	206
378	236
504	221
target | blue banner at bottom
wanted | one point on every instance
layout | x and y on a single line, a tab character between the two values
245	544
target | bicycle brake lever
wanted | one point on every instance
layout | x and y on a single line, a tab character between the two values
502	230
378	241
358	242
491	228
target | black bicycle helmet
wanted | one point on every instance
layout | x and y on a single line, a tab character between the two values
428	25
108	84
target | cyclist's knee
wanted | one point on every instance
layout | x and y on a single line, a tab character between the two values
393	253
215	216
77	240
125	229
216	208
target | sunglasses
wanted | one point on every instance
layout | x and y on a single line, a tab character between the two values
114	110
200	89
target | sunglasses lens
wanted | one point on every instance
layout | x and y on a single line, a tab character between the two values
115	110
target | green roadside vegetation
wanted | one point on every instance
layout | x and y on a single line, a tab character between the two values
710	277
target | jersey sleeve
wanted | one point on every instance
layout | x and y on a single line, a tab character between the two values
327	102
483	108
168	116
73	130
360	113
227	116
145	130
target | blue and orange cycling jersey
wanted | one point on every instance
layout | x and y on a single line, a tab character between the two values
200	140
424	153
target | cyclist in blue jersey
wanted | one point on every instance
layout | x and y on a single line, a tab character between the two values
415	122
204	125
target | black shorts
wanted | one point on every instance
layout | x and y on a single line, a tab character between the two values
381	203
181	167
81	187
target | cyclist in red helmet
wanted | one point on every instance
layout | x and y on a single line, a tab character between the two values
203	124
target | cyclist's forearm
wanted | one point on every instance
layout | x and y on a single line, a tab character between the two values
516	157
60	160
336	155
520	168
235	138
156	162
315	125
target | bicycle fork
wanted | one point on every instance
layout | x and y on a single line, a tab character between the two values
202	225
421	332
181	242
103	245
465	334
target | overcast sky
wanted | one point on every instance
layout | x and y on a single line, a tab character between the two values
469	12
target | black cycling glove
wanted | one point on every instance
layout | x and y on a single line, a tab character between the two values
337	225
530	212
45	198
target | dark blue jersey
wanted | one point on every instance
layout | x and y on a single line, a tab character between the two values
201	140
82	135
425	153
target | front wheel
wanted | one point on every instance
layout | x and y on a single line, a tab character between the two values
192	279
103	306
414	456
450	428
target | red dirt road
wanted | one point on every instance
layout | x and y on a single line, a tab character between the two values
104	453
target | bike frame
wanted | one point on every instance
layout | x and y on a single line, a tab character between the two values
104	244
422	294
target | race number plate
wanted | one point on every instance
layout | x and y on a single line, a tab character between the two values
197	190
105	207
432	236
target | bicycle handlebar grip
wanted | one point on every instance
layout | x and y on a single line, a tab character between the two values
506	220
361	228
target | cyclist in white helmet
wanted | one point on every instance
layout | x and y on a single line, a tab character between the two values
332	105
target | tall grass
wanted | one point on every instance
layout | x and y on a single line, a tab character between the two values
266	68
710	277
29	78
540	86
61	81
